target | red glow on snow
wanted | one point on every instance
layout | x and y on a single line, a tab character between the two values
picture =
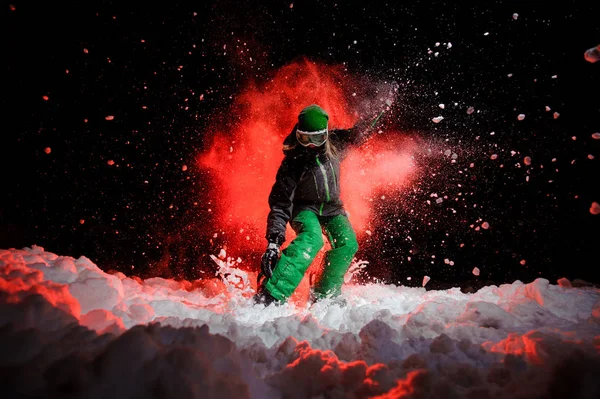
413	385
20	286
531	345
244	156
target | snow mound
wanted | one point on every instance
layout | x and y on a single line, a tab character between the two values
68	329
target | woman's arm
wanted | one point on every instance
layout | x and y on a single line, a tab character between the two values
359	133
280	200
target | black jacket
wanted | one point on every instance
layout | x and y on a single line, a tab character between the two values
308	179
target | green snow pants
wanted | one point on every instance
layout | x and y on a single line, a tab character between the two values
299	254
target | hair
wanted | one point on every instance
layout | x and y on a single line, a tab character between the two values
330	149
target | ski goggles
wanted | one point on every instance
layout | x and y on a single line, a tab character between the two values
312	139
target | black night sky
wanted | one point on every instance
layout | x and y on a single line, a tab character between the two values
115	190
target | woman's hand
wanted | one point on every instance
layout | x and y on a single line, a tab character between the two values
269	260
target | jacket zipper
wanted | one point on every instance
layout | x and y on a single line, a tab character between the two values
334	176
325	180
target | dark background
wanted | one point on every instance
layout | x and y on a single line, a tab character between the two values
138	214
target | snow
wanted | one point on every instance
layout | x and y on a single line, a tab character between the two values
69	329
592	54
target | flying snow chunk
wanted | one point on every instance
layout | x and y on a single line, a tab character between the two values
485	225
592	54
442	106
475	271
426	280
470	110
449	45
547	108
556	115
527	161
521	117
439	201
437	119
109	117
564	282
515	16
595	208
596	136
47	150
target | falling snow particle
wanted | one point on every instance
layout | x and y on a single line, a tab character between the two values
596	136
449	45
47	150
485	225
368	232
475	271
439	201
437	119
592	54
110	162
523	262
556	115
222	254
470	110
486	33
527	161
45	98
81	221
184	168
547	108
515	16
442	106
595	208
521	117
494	156
109	117
85	50
291	5
426	280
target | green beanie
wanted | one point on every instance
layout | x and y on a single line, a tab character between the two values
312	119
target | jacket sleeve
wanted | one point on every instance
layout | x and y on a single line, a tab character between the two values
359	133
280	200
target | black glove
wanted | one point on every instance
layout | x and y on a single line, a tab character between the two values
269	260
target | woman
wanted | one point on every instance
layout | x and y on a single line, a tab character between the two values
307	193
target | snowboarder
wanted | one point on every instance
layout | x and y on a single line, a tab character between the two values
306	193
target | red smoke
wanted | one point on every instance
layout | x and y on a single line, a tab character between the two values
244	156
